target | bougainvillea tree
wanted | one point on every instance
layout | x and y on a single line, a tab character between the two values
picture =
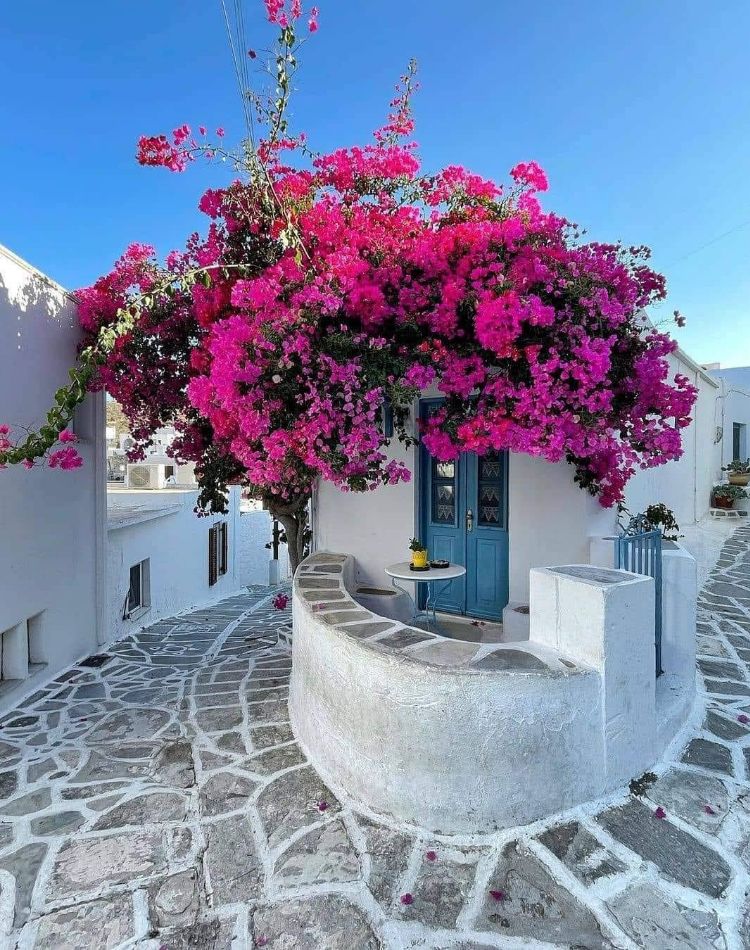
326	287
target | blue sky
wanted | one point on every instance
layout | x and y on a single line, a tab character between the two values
639	112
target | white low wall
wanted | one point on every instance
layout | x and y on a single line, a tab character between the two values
464	737
163	527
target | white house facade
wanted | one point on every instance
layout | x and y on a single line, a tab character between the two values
53	551
733	412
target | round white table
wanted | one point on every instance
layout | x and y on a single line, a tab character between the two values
403	572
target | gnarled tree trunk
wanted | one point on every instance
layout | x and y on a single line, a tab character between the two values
294	519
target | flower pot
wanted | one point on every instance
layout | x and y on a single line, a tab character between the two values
739	478
419	558
721	501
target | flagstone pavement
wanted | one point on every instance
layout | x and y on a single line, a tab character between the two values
154	797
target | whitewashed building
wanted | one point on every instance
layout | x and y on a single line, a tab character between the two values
81	565
53	535
733	411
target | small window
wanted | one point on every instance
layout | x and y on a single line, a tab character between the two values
218	551
739	442
168	471
138	599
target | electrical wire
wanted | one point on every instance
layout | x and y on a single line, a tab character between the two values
240	70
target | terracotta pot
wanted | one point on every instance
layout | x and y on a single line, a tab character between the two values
419	558
737	478
721	502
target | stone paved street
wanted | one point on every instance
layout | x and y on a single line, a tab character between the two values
154	797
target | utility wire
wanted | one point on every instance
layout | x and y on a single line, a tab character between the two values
239	69
714	240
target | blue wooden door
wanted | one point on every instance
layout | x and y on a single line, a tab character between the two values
464	520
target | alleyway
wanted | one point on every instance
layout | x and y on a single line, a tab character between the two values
154	797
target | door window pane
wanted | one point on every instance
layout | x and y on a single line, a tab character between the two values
490	490
443	502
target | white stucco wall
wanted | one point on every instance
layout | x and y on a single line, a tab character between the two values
52	537
374	527
162	526
734	406
255	529
685	485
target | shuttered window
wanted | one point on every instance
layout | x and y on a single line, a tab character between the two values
218	551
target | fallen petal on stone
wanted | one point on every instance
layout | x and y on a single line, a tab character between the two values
431	856
709	810
660	813
743	718
322	806
497	895
407	899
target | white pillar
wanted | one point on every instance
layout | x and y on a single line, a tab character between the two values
605	619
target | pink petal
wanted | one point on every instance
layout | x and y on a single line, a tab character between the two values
497	895
322	806
709	810
407	899
743	718
660	813
431	856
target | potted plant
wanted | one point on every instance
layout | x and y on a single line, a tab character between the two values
661	517
724	496
418	554
738	472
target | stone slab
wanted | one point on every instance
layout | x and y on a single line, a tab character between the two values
678	856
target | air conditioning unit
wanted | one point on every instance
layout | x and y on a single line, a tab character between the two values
145	475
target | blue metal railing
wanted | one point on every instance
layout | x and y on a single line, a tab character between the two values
640	553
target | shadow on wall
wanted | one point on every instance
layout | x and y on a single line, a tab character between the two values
35	315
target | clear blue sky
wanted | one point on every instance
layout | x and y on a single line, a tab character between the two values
639	111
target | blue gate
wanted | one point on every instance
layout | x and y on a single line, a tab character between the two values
639	551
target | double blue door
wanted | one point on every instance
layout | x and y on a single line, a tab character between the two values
465	521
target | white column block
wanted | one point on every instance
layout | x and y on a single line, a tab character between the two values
605	619
679	592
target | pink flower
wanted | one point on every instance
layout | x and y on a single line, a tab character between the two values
530	174
312	23
67	436
280	601
660	813
743	719
65	459
220	132
407	899
322	806
431	855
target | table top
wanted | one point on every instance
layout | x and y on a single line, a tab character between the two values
404	573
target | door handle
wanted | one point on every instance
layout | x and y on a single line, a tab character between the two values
469	519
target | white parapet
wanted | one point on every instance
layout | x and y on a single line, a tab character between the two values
460	737
605	618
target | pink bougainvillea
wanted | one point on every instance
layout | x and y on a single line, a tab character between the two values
326	290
